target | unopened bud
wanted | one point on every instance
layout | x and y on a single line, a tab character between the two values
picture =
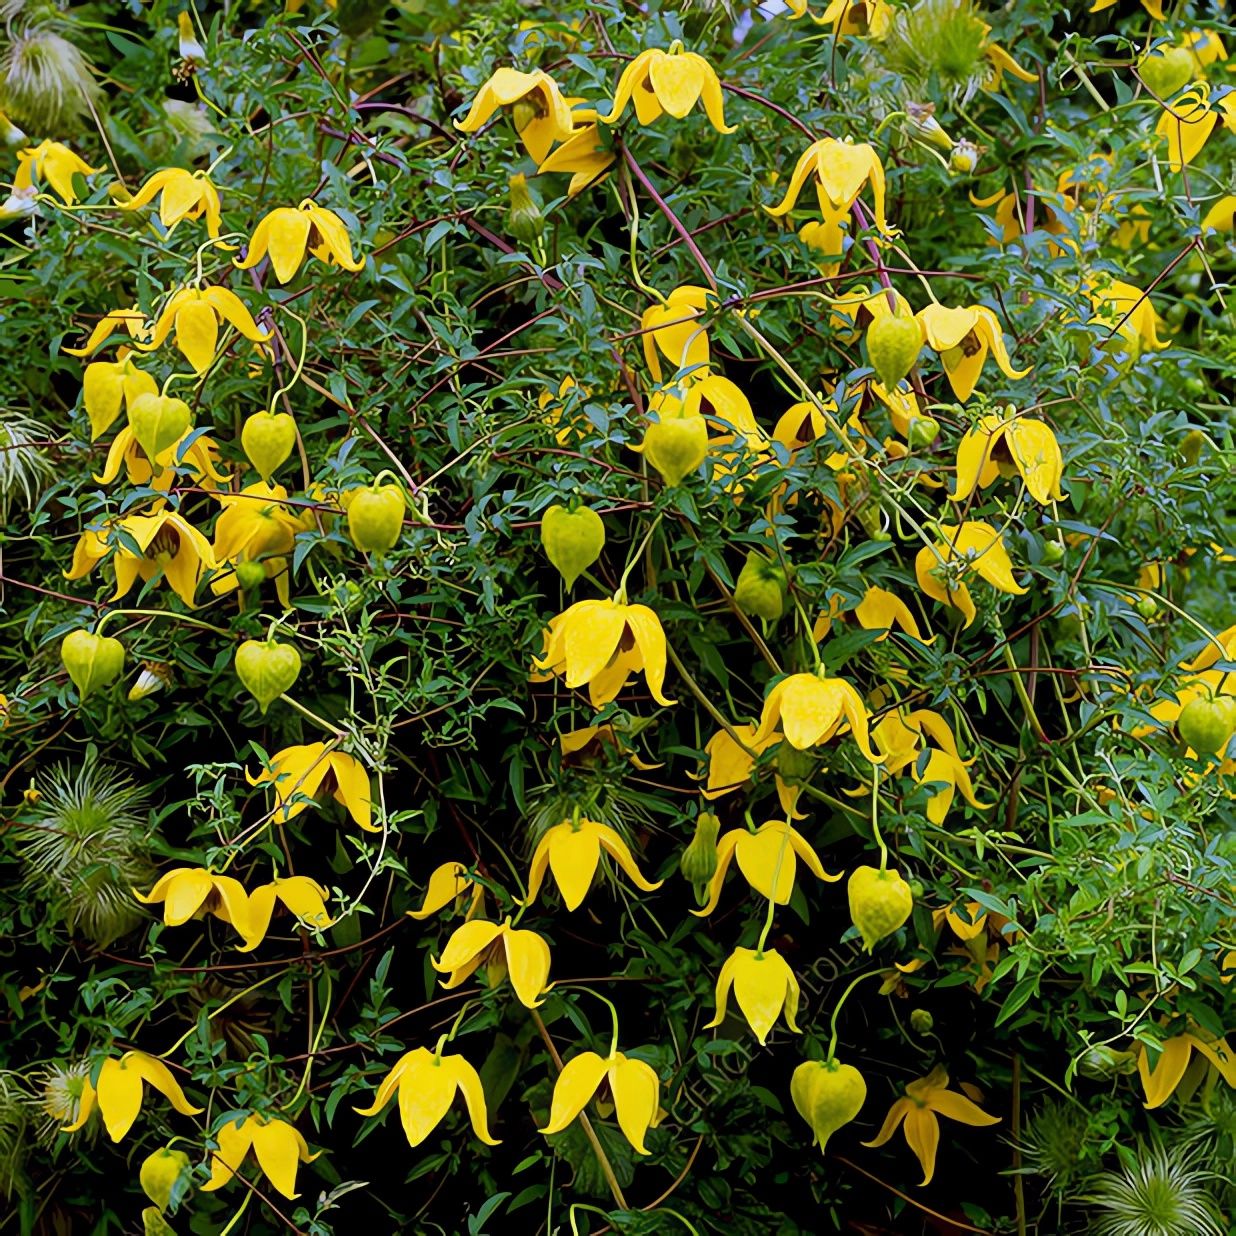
524	219
924	125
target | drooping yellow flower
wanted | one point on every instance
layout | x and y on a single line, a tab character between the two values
1186	124
850	315
763	985
1221	217
118	1093
879	610
811	709
999	63
131	321
973	546
301	774
199	458
590	743
193	892
634	1086
1127	312
827	1095
447	882
866	18
182	195
671	81
963	336
541	115
254	524
924	1101
1153	7
54	163
584	155
255	527
287	233
673	330
979	934
1000	444
571	851
304	898
729	766
163	542
108	386
277	1145
523	955
768	859
196	314
1160	1082
902	738
839	170
602	643
427	1083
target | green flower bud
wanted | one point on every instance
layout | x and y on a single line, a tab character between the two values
524	219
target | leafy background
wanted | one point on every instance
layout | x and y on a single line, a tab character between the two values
1107	848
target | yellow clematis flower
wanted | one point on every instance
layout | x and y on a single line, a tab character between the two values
634	1085
277	1145
811	709
541	115
571	851
1000	444
1153	7
669	81
118	1093
963	336
870	19
108	386
1188	122
1221	217
672	330
254	524
584	154
768	859
729	766
763	985
199	458
999	63
162	542
879	610
131	321
196	314
972	546
301	896
901	737
850	315
287	233
1128	313
924	1101
193	892
840	170
427	1083
447	883
602	643
1160	1082
301	774
182	195
523	955
591	743
54	163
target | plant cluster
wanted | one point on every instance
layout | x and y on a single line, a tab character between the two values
646	587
